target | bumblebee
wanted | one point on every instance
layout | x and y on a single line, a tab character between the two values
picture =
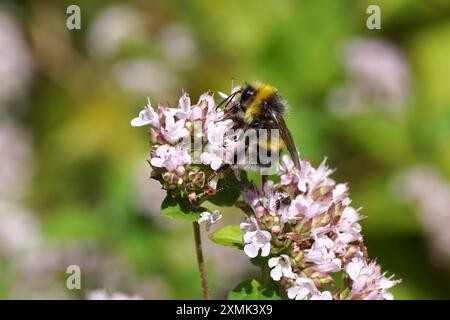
259	106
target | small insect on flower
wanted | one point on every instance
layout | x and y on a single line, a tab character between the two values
256	105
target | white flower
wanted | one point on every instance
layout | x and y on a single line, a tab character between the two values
340	194
16	63
185	110
281	267
347	229
303	289
214	114
367	281
15	158
207	99
303	176
322	255
255	239
288	214
111	28
305	206
319	176
173	131
309	178
101	294
286	171
325	295
209	218
184	107
212	157
216	150
349	222
19	230
251	195
146	116
170	157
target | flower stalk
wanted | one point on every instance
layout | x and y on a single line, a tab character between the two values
200	260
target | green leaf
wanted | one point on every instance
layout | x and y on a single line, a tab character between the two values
253	290
225	197
228	236
229	190
178	208
259	261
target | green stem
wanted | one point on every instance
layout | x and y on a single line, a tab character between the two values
200	260
265	273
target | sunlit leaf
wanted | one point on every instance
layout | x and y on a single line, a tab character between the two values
178	208
228	236
253	290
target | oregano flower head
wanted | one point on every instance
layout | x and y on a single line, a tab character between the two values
190	149
308	232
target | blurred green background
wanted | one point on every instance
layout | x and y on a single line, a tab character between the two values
74	185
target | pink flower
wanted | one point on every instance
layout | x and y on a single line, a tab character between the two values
306	206
209	218
146	116
281	267
325	295
340	194
367	281
348	222
185	110
323	256
255	239
220	147
319	176
287	171
169	157
304	288
173	130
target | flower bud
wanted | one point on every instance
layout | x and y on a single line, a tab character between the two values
211	187
170	177
192	198
192	173
276	230
260	210
295	250
180	171
199	179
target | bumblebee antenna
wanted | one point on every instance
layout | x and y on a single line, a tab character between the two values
228	99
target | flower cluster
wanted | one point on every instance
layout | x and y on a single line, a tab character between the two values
191	148
378	75
308	231
430	190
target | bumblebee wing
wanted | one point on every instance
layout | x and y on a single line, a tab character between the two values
287	137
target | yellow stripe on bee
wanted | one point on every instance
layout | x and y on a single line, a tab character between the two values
263	91
268	145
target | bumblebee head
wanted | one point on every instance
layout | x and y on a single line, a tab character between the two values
255	91
247	95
